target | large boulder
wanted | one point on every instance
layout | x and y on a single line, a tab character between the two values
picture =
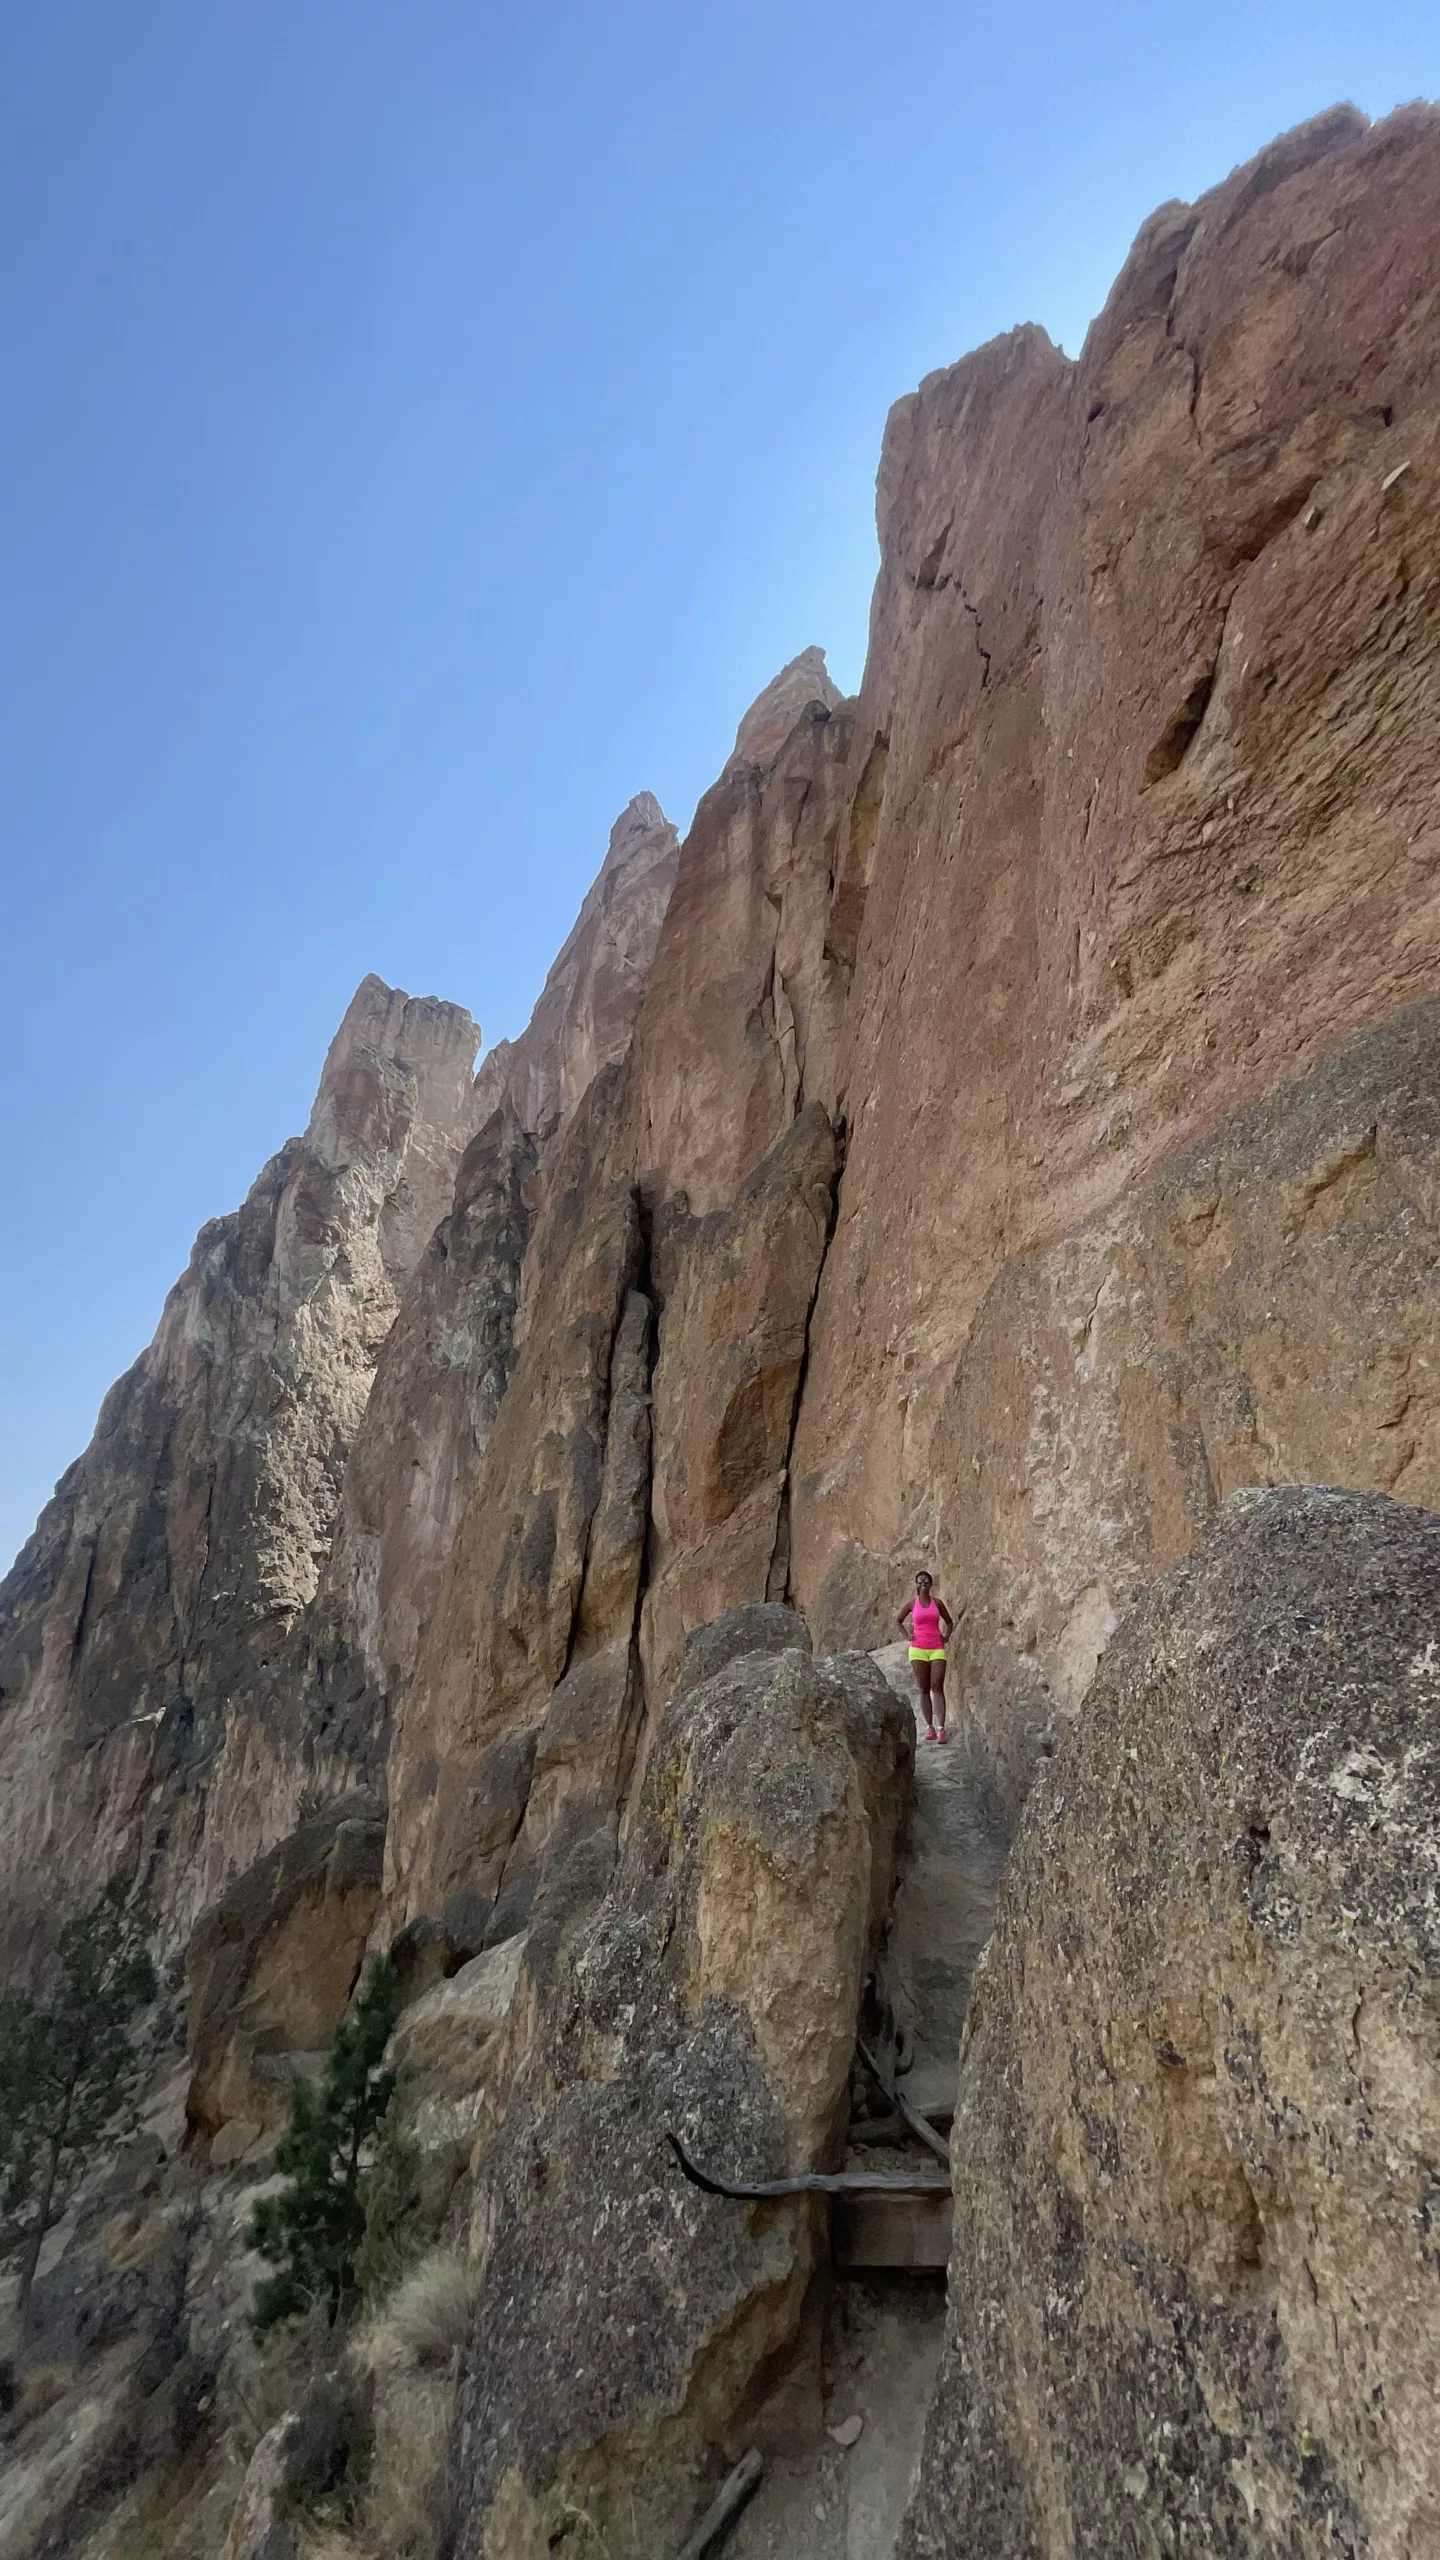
626	2324
1193	2297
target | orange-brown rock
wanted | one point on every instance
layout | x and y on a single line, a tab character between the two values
1156	836
1262	1310
178	1552
736	1290
503	1627
588	1003
740	1021
272	1966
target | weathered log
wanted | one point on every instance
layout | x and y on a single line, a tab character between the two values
810	2182
731	2497
926	2132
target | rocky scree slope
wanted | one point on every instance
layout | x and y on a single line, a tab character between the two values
1004	1130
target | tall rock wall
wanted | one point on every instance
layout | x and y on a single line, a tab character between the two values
1003	1130
1195	2266
1090	951
637	1481
1094	949
1146	794
169	1571
209	1629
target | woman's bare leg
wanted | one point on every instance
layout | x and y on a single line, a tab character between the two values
922	1671
937	1694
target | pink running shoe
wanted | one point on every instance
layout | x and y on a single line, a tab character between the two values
930	1734
942	1735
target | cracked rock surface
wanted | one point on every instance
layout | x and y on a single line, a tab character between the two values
1193	2283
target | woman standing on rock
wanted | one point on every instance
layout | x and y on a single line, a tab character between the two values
921	1620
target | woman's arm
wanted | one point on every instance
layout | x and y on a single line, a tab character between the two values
903	1621
945	1614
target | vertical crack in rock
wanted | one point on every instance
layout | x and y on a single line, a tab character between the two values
777	1579
980	649
630	1334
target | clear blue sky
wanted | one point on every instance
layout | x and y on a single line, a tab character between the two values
426	424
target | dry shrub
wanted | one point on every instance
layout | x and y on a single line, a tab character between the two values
262	2378
41	2387
402	2510
405	2497
424	2320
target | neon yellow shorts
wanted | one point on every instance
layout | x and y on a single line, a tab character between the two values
927	1653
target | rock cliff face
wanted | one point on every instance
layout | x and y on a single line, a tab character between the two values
1004	1130
1148	811
164	1579
623	2322
1195	2250
588	1003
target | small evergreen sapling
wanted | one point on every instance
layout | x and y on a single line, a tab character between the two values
311	2232
69	2064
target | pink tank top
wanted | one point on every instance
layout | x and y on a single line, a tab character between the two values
926	1626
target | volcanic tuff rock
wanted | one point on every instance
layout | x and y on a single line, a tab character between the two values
587	1005
1013	1131
1146	796
626	2326
271	1967
216	1601
739	1026
1195	2239
177	1553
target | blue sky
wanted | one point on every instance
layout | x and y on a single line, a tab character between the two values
425	425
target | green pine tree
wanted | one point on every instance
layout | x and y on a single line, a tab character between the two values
312	2231
68	2064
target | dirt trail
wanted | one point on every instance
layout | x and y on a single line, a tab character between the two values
882	2337
945	1907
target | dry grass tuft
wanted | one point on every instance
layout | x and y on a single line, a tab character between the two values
424	2320
402	2511
41	2387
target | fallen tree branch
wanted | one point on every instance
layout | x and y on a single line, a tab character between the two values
810	2182
743	2480
926	2132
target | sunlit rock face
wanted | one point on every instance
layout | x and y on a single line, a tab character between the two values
587	1006
1146	798
1003	1131
178	1554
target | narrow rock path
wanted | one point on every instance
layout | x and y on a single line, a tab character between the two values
826	2500
945	1907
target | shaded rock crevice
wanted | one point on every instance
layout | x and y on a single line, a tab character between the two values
777	1577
